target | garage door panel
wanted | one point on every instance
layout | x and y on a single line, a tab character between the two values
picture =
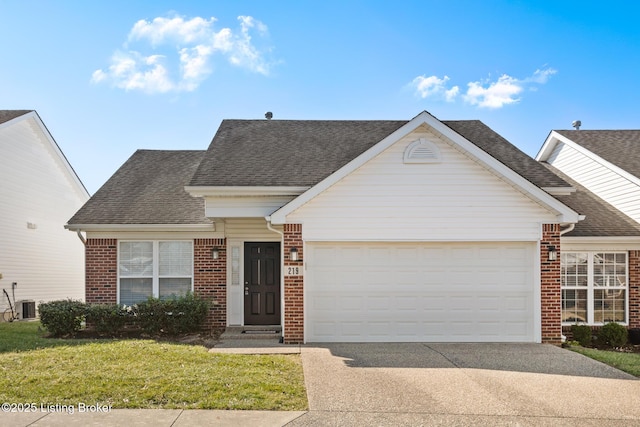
419	292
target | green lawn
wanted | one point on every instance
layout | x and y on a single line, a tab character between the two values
142	374
627	362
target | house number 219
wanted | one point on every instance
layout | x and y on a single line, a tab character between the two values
292	270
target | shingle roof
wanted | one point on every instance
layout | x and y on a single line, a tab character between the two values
285	152
303	152
620	147
602	219
147	189
508	154
6	115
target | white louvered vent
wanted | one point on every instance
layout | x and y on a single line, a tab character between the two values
422	151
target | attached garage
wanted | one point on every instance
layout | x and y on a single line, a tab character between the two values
437	292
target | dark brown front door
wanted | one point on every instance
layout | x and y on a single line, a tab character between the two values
262	283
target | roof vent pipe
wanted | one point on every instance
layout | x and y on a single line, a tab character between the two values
268	115
576	124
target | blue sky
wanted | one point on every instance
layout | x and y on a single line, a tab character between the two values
109	77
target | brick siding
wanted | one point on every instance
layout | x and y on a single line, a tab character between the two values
293	287
551	305
101	271
634	289
210	279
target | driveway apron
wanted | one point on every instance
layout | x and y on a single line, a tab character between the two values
463	384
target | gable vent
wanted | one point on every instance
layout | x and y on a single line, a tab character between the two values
422	151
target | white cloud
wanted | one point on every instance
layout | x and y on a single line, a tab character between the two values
484	94
178	53
432	86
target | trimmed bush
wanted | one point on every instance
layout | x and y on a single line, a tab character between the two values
107	318
613	335
62	317
172	316
581	334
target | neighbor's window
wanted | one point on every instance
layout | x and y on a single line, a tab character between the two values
161	269
594	287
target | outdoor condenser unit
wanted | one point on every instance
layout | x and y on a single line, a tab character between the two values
26	309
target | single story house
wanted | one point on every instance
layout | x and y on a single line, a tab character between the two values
39	191
341	231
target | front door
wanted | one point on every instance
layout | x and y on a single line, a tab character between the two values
262	283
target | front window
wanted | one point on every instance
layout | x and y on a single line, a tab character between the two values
161	269
594	287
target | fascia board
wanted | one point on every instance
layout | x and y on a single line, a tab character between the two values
548	146
237	191
279	217
564	213
140	227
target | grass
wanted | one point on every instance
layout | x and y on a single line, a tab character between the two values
142	374
627	362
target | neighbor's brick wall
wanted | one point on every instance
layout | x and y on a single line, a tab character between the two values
210	279
634	289
550	286
101	271
293	287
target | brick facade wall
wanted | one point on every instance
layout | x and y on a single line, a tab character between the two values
550	293
101	271
293	287
634	289
210	279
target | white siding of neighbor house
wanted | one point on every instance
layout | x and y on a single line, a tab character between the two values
598	178
456	199
37	197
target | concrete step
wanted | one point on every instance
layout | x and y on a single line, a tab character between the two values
252	332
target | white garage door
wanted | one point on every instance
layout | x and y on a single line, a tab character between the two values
396	292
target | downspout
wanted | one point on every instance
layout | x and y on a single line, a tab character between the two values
281	233
81	237
568	229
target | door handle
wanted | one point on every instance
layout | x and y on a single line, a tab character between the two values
246	290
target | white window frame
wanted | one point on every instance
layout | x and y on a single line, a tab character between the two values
591	288
155	278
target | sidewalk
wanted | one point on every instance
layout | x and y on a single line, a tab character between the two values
150	417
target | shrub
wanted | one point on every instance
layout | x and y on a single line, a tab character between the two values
62	317
613	335
107	318
172	316
581	334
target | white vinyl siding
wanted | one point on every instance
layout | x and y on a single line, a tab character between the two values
598	178
438	292
162	269
455	199
38	198
243	207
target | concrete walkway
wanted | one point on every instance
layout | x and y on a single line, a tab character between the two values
412	385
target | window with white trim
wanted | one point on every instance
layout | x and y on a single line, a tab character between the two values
161	269
594	287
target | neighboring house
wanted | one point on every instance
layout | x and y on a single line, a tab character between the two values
39	190
419	230
600	258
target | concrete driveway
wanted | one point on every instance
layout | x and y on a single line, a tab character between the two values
463	384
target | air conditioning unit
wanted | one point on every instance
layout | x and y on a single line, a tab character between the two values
26	309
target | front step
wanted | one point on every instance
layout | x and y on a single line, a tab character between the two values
252	332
